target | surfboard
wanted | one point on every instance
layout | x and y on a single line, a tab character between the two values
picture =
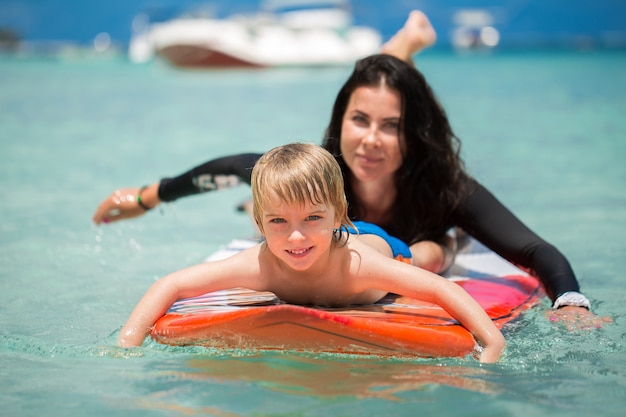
394	326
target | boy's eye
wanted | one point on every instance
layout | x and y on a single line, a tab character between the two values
277	220
313	217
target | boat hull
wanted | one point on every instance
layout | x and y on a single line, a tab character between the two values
193	56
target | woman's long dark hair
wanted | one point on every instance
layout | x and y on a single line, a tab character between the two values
431	181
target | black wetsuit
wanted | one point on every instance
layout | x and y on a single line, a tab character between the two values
481	215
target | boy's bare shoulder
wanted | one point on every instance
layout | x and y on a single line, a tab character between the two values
367	261
243	264
366	256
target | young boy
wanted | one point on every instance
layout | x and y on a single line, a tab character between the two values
308	256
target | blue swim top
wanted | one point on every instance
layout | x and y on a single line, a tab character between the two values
399	249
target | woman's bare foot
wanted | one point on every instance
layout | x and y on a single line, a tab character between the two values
416	34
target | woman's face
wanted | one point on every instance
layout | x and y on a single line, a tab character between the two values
371	137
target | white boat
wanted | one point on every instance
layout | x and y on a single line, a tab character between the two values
474	30
283	33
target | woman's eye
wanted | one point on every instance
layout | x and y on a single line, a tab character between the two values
392	125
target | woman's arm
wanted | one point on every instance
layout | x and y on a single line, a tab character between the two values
213	175
434	256
488	220
217	174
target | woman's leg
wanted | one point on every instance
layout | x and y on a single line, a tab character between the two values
416	34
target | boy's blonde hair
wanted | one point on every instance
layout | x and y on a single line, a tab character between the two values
299	173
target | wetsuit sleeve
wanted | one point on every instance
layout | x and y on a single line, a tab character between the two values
216	174
488	220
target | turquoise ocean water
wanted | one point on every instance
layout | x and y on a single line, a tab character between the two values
546	132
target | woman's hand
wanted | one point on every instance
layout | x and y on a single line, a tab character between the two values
577	318
123	204
434	256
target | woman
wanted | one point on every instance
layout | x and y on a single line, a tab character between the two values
402	170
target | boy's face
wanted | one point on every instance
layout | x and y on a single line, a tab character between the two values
298	235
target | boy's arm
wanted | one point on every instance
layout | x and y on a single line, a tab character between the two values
414	282
161	295
190	282
460	305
